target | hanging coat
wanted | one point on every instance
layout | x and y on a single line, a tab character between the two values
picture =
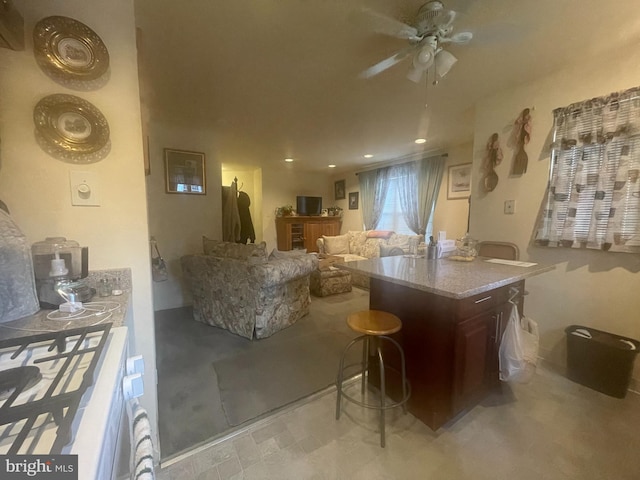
230	216
246	225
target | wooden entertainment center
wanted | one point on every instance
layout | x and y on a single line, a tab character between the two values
296	232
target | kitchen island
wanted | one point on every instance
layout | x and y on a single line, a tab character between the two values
453	315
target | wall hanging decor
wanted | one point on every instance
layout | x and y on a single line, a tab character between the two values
493	157
459	181
70	52
353	200
71	129
340	190
184	172
522	135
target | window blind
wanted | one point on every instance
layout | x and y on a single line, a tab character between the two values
593	199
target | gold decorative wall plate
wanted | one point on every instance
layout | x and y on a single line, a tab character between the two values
71	124
68	48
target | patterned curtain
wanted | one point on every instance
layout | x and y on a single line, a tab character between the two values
374	185
593	197
418	186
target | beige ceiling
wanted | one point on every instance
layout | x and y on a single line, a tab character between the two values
271	79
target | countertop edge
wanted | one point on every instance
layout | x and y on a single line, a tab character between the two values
526	273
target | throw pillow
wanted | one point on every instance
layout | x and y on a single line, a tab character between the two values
209	245
336	245
281	254
379	233
252	253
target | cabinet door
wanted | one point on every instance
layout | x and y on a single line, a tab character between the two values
283	233
313	231
331	228
472	352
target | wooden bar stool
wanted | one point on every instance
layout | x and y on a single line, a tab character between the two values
376	326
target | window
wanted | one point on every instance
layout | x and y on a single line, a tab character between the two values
593	199
392	217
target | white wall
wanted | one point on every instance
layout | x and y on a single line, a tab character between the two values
36	187
593	288
451	215
178	221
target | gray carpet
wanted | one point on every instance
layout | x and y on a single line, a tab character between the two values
211	382
257	382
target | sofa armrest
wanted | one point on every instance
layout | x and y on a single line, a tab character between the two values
283	270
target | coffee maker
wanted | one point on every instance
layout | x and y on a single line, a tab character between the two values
60	265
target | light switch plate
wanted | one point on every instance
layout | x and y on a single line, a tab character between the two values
509	207
84	188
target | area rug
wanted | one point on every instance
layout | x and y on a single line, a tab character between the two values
258	382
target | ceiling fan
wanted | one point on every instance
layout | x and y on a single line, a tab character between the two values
431	30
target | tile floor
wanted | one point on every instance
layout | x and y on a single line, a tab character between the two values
550	429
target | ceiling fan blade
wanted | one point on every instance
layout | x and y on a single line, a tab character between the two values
387	63
380	23
460	38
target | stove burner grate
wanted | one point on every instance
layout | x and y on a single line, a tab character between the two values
19	380
64	405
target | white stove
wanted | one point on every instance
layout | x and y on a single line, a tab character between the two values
61	393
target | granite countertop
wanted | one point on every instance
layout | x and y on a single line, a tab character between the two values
446	277
111	309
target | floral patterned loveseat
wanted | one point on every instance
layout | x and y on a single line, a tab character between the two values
239	288
361	245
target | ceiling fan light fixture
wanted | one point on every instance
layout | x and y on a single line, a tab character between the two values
415	74
423	58
444	61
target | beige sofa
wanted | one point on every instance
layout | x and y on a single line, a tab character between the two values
241	289
361	245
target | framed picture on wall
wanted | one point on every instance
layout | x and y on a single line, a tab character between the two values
459	181
353	200
340	190
184	172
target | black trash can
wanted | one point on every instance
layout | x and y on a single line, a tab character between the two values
600	360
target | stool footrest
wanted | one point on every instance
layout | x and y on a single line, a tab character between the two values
382	405
377	406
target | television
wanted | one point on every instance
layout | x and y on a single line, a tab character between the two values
307	206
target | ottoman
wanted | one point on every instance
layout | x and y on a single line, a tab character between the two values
329	282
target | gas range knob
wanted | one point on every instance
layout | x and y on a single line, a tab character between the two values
135	364
132	386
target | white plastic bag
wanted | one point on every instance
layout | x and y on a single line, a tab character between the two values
518	353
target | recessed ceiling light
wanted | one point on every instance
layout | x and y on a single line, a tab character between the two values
332	166
368	155
288	160
420	140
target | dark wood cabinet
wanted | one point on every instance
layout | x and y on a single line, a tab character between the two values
302	232
472	349
451	346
